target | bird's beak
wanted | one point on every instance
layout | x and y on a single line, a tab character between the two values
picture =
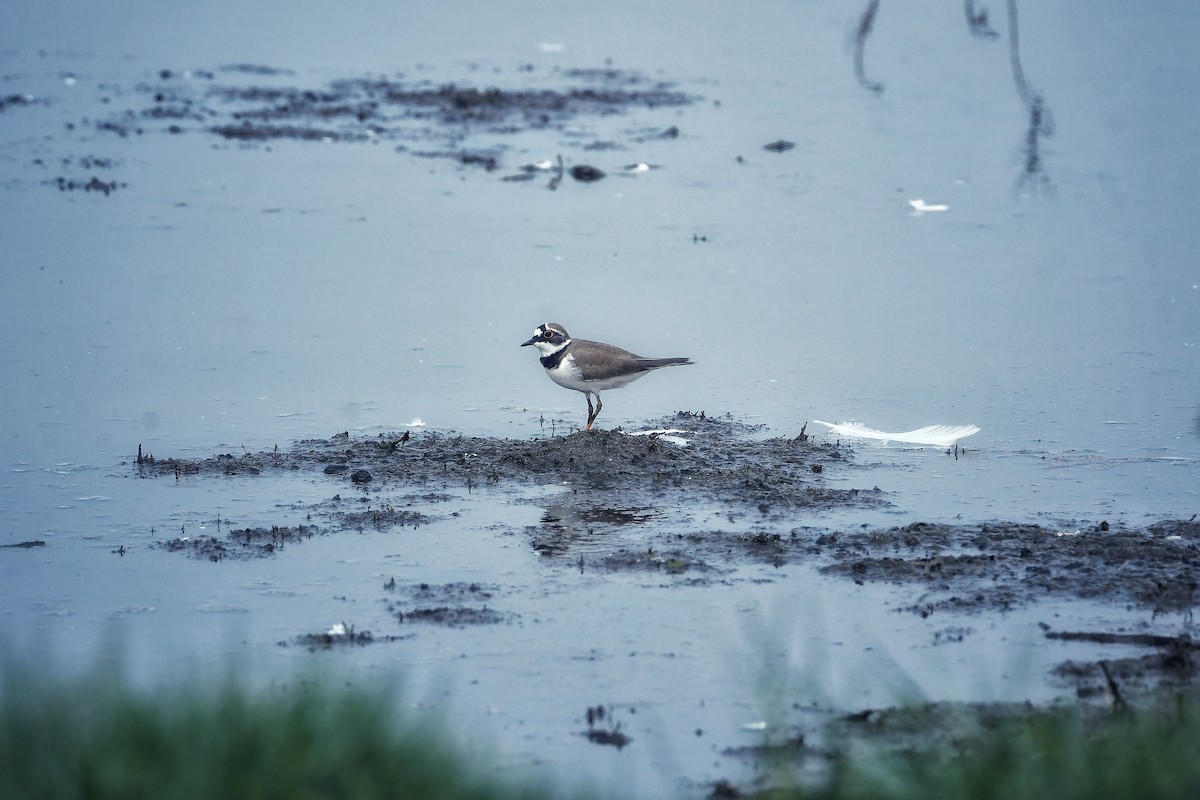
532	340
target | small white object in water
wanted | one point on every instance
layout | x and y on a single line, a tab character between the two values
551	47
755	726
940	435
417	422
920	206
339	629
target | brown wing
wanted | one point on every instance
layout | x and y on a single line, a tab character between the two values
613	362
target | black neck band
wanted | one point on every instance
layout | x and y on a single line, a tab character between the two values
554	359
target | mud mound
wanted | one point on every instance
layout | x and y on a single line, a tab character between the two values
723	462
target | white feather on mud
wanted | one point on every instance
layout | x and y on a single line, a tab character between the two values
666	434
940	435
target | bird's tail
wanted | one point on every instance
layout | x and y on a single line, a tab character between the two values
655	363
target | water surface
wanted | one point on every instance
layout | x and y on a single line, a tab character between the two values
232	296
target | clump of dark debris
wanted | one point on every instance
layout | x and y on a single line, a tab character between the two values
340	635
600	733
20	100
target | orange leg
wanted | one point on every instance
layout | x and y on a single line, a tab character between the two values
592	414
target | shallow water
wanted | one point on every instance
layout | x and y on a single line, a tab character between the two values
237	295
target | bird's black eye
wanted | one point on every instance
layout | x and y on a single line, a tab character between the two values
547	334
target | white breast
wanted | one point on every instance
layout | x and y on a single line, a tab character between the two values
567	374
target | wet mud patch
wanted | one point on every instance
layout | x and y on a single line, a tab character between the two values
983	569
996	566
462	121
672	562
444	593
702	556
1168	662
261	542
446	604
94	184
456	616
241	543
26	545
382	518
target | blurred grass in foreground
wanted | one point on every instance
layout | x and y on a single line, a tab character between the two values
95	737
1065	753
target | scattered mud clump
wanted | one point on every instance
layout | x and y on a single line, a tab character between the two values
997	566
19	100
93	185
456	616
444	604
241	544
258	104
340	635
450	592
606	734
381	518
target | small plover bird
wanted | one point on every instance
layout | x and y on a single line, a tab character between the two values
590	367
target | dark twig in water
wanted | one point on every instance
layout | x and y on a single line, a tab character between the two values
1112	690
977	21
865	23
144	458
